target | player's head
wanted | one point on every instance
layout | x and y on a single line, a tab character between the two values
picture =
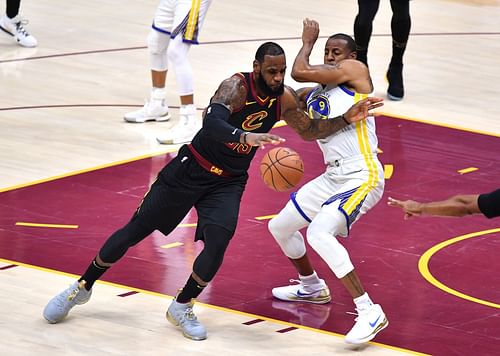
269	69
339	47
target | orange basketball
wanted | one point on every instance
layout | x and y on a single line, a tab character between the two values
281	169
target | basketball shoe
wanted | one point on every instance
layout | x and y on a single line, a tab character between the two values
59	306
369	322
15	28
182	315
184	130
155	109
396	90
311	293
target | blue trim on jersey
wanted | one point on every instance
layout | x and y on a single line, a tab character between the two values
309	95
347	91
301	212
344	196
160	30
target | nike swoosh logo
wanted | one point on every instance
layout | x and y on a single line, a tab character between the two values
375	322
300	294
234	131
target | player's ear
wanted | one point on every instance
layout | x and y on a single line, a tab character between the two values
256	66
353	55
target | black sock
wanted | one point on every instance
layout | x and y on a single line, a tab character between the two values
12	8
191	290
398	49
92	274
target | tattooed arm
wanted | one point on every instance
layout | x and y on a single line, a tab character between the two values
313	129
230	97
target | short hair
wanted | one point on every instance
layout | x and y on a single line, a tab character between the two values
268	49
351	44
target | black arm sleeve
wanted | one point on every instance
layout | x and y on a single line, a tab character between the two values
216	125
489	204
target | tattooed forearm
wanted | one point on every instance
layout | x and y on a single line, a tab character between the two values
312	129
231	93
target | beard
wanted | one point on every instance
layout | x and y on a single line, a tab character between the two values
267	90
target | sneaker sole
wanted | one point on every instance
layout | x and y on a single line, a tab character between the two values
394	98
381	327
158	119
174	322
323	300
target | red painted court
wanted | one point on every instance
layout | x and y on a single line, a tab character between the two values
392	255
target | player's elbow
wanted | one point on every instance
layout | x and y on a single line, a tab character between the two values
299	75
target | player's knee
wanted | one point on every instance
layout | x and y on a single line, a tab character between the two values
157	46
330	249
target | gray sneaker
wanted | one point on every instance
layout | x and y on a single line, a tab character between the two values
59	306
182	315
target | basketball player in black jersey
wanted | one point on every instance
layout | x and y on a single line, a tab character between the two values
210	175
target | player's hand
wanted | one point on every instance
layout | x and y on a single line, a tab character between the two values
361	109
261	139
410	207
310	31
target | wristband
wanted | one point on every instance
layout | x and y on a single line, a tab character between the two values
245	136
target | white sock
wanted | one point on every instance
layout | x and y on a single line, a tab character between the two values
158	96
310	280
363	302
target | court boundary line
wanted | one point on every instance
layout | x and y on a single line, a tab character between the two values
224	309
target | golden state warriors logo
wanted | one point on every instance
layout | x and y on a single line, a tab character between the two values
318	107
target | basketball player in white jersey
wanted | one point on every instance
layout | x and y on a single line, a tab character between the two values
175	28
352	183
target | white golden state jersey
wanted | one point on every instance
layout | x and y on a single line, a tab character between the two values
359	139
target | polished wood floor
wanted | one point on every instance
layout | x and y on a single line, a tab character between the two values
61	109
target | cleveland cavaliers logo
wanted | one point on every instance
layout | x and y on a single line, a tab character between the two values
318	107
254	121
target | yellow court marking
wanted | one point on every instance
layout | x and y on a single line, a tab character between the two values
187	225
423	267
467	170
56	226
265	217
173	244
232	311
388	170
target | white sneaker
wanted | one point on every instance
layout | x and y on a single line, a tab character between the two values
59	306
15	28
182	315
151	111
368	324
184	130
316	293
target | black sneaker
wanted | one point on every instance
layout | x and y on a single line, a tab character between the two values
396	90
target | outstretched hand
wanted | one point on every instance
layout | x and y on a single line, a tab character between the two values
410	207
360	110
261	139
310	31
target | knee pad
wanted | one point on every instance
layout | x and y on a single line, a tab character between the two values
158	44
285	229
210	259
321	235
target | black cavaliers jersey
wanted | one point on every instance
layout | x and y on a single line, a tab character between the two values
257	115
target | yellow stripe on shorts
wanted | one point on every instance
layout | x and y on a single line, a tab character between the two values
193	20
364	146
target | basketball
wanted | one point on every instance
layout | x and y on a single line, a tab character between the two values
281	169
